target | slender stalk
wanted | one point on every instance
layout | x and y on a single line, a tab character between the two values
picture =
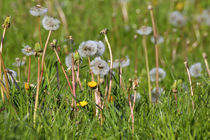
5	75
29	68
111	66
120	73
206	63
57	74
43	56
147	67
124	12
37	90
190	80
91	73
66	76
131	107
156	49
73	83
40	35
78	78
1	49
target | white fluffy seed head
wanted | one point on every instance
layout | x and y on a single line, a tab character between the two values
156	93
99	67
162	74
121	63
100	48
50	23
204	17
11	75
68	60
195	70
160	39
87	48
177	19
144	30
18	62
28	51
38	10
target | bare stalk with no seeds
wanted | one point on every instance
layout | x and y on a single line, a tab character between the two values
150	8
104	32
147	67
190	80
44	53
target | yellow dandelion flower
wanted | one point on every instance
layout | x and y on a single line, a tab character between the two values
180	6
92	84
27	86
82	103
112	99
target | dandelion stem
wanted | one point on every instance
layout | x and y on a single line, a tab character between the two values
43	56
5	75
156	49
40	35
78	78
1	49
91	73
73	83
111	66
29	68
147	67
190	80
206	63
37	90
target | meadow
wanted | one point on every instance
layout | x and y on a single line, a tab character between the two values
104	69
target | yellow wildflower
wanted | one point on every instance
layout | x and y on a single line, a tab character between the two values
82	103
27	86
92	84
180	6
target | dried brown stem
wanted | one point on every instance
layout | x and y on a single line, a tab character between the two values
190	80
37	90
156	49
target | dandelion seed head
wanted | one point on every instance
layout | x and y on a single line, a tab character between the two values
204	17
28	51
18	62
68	60
88	48
195	70
156	93
100	48
38	10
177	19
144	30
99	66
160	39
125	62
138	97
10	75
162	74
50	23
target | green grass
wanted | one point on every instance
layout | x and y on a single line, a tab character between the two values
86	18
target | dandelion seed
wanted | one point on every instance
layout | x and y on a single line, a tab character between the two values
99	67
100	48
38	10
88	48
195	70
28	51
160	39
12	75
177	19
156	93
50	23
144	30
18	62
162	74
